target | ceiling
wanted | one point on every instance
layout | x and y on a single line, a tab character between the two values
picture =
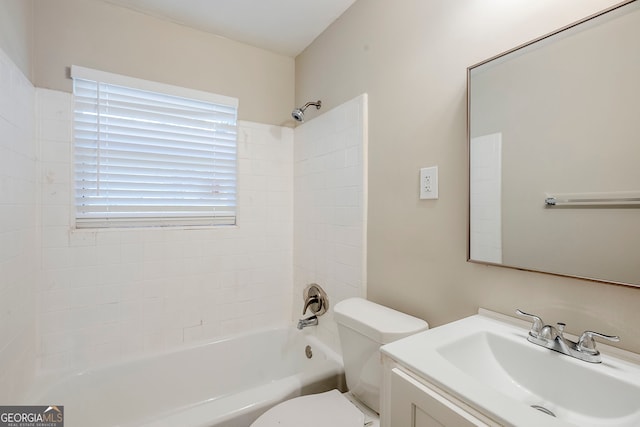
282	26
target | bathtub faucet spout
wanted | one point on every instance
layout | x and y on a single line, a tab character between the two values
309	321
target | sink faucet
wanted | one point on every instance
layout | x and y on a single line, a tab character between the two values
308	321
552	337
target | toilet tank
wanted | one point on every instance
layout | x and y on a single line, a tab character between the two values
363	327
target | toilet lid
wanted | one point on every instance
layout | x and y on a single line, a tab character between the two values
329	409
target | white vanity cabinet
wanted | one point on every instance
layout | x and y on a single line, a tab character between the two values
411	401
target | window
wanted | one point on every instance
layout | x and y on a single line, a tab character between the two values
151	154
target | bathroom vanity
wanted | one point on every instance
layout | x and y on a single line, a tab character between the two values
411	400
483	371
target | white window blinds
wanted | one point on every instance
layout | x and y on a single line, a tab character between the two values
152	154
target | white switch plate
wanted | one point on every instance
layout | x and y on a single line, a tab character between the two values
429	183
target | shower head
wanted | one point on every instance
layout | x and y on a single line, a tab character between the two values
298	113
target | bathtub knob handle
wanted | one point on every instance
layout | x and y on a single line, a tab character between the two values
315	299
311	300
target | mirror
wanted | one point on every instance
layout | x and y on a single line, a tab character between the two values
554	152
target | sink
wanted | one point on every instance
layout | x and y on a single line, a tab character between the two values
487	361
540	377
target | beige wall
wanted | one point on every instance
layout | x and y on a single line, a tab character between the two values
411	56
16	33
99	35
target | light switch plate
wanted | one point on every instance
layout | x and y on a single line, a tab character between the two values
429	182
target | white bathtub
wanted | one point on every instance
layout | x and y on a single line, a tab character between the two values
226	383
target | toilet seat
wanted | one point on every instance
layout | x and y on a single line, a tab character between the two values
328	409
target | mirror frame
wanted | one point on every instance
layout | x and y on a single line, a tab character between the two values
468	92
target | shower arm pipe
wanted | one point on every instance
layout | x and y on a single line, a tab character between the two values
317	104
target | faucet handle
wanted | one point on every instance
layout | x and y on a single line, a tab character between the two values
587	343
315	299
312	299
537	325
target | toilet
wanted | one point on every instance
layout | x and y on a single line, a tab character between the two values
363	327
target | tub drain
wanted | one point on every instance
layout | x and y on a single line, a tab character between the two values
308	352
543	409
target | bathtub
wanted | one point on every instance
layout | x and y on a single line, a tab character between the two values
226	383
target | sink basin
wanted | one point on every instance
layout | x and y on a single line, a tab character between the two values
488	363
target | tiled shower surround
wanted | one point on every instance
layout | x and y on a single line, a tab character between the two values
72	299
330	170
108	294
19	249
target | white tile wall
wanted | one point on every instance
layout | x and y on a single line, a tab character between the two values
100	296
486	198
106	295
19	249
330	179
